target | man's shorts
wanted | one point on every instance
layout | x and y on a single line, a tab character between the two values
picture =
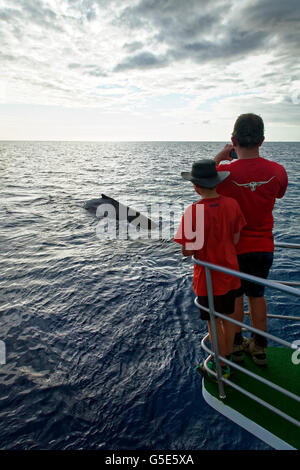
257	264
222	304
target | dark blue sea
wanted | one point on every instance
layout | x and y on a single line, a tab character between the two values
102	335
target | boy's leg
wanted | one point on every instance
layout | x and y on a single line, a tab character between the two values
229	333
228	305
221	337
225	330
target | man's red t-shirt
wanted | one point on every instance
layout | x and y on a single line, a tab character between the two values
222	219
255	183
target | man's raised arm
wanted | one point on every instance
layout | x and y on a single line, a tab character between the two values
224	154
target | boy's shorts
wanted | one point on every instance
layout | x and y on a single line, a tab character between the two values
257	264
222	304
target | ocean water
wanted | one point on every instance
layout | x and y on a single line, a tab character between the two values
102	335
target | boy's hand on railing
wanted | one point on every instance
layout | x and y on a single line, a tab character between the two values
224	154
187	252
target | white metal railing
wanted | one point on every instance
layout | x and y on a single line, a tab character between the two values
220	379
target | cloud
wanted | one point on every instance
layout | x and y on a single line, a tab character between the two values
133	46
144	60
68	52
8	14
178	27
157	34
32	11
273	14
232	47
202	31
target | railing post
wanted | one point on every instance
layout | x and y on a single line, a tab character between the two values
214	332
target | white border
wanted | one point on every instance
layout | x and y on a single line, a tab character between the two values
245	423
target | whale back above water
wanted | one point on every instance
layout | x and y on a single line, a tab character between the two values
119	211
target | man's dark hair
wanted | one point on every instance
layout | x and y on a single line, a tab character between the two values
248	130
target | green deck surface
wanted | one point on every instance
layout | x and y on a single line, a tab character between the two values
280	370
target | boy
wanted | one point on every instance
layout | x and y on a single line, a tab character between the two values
210	234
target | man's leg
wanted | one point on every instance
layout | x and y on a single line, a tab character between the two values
238	313
257	264
258	315
239	343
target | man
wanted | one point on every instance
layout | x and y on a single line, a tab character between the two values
255	183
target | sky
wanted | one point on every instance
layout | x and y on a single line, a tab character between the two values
136	70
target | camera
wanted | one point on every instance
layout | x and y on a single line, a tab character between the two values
233	154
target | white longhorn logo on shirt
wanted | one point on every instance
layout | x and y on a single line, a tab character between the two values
253	184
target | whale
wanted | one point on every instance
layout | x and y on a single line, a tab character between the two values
106	205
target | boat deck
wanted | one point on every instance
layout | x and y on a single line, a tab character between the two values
255	418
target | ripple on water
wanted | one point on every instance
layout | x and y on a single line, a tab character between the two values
102	335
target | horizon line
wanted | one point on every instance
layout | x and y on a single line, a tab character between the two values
128	141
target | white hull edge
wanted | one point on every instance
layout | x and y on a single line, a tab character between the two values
244	422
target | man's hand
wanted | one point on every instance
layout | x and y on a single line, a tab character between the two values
224	154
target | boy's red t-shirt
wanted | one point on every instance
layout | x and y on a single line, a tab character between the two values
222	219
255	184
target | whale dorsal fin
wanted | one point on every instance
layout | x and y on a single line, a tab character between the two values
109	199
